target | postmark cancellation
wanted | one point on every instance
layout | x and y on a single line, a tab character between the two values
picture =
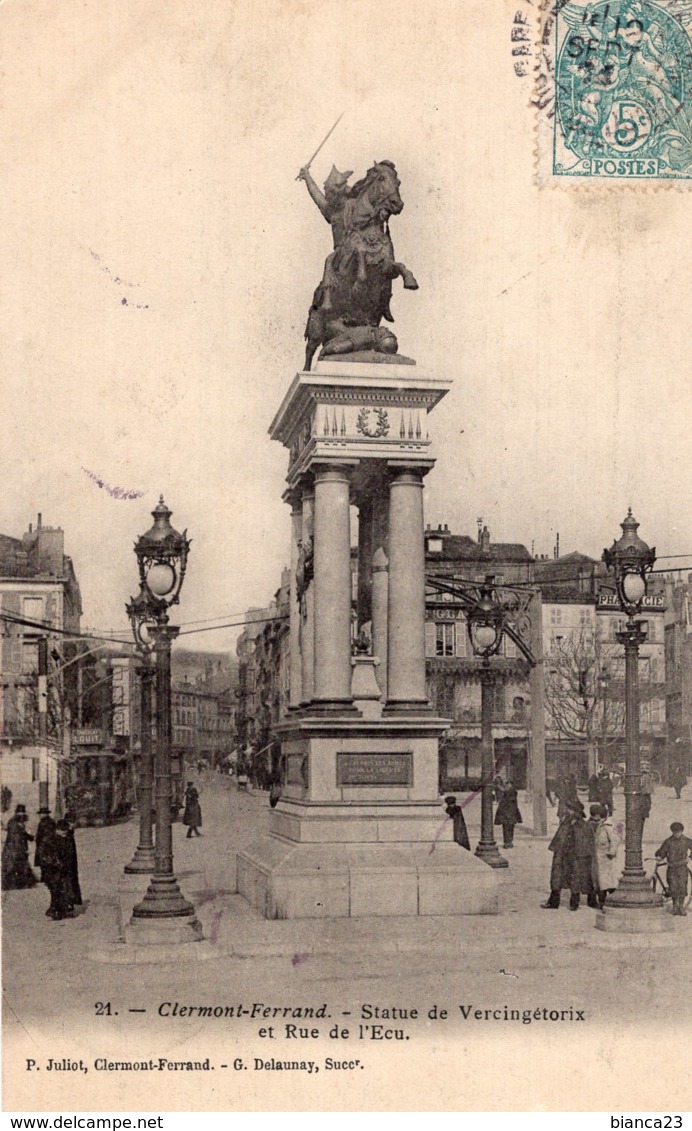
614	94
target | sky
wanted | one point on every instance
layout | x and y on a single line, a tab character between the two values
159	258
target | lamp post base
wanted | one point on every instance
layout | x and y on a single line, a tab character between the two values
163	932
163	900
635	893
142	861
634	908
490	854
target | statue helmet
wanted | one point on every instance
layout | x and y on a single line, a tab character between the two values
336	180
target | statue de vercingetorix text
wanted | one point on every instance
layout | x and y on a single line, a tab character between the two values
356	288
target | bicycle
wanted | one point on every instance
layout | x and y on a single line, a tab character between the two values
658	882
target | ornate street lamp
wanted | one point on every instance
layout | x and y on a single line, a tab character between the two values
485	621
162	558
142	614
631	561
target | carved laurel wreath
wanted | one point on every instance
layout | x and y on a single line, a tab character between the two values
382	427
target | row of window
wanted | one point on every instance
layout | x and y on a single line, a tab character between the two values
450	638
562	616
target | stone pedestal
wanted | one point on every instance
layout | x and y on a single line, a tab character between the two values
635	921
360	829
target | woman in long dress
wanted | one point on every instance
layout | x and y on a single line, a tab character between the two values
16	869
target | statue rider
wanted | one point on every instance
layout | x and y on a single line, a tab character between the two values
332	205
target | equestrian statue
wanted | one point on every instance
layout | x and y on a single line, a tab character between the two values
356	288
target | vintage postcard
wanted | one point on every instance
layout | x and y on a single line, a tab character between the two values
378	313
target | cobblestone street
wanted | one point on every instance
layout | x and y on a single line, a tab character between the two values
521	960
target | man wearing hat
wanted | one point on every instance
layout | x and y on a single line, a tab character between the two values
16	869
572	848
453	811
676	849
74	890
54	872
45	825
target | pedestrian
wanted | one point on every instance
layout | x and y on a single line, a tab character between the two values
74	890
647	789
55	872
566	793
594	794
678	780
46	824
572	848
605	872
604	790
16	869
192	817
459	830
508	814
242	774
275	793
676	849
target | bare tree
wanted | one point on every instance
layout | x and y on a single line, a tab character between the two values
584	691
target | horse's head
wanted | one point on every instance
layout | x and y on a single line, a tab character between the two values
381	187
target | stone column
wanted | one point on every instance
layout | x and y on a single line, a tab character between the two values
295	673
332	584
365	508
306	610
380	584
406	617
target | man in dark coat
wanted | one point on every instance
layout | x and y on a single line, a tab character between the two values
604	790
508	814
594	794
454	812
572	848
55	872
16	869
192	816
676	849
45	825
74	890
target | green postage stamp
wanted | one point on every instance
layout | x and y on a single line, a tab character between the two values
620	108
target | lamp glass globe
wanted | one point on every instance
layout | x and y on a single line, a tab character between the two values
634	587
484	636
161	579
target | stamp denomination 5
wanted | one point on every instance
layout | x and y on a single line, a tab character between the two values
618	77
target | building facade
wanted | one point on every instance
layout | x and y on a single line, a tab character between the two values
39	593
453	672
678	648
585	673
202	704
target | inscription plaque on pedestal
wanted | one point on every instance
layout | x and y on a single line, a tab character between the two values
297	770
374	769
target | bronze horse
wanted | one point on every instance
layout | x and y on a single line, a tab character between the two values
355	292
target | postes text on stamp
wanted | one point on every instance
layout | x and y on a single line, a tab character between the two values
622	77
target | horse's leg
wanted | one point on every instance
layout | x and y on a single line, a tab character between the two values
314	334
400	269
329	282
310	353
